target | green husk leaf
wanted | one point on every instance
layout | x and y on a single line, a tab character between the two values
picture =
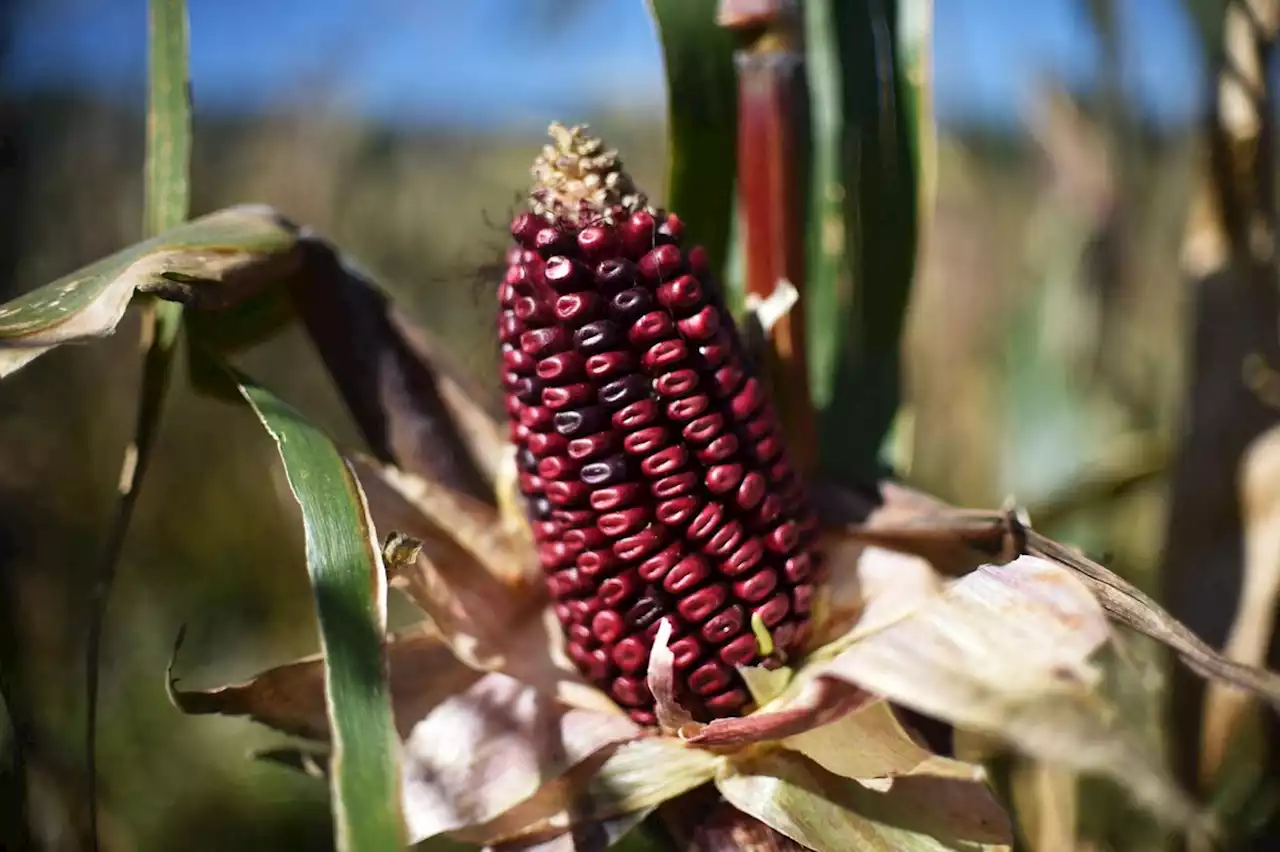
209	262
862	228
702	114
827	813
344	560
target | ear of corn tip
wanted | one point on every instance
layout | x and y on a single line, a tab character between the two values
654	471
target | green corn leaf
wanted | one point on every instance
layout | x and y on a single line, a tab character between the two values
702	117
344	560
863	219
210	262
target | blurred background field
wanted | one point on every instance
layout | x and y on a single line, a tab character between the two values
1046	347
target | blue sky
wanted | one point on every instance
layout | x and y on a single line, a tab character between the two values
497	62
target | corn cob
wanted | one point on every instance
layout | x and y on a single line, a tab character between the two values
654	472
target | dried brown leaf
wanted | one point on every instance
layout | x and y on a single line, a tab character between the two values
290	698
480	752
801	800
1005	651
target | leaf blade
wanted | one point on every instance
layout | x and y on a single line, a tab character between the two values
702	116
348	579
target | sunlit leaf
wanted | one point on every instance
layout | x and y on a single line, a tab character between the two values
344	560
208	262
702	120
483	751
861	229
831	814
1005	651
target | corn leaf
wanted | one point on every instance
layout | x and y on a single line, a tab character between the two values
702	118
290	697
862	227
828	813
208	262
347	575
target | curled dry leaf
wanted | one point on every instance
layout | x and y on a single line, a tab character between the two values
827	813
661	677
503	761
207	263
1005	651
290	698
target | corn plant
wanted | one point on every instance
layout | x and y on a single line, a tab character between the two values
672	595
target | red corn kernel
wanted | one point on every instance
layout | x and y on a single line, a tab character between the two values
757	587
557	467
568	396
698	606
677	511
531	310
728	379
783	538
802	598
580	634
592	446
651	328
718	450
625	522
597	563
579	308
661	264
740	651
665	353
724	540
547	443
637	234
550	241
797	568
573	518
665	462
636	415
655	567
706	521
597	337
641	544
674	486
717	350
616	590
677	383
645	441
688	408
703	429
582	538
768	448
596	243
616	496
702	325
566	493
774	610
709	677
686	651
724	624
541	342
564	275
747	556
631	655
630	691
681	294
687	573
727	703
525	227
608	626
610	365
723	478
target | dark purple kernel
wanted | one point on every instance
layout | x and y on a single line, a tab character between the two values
610	471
